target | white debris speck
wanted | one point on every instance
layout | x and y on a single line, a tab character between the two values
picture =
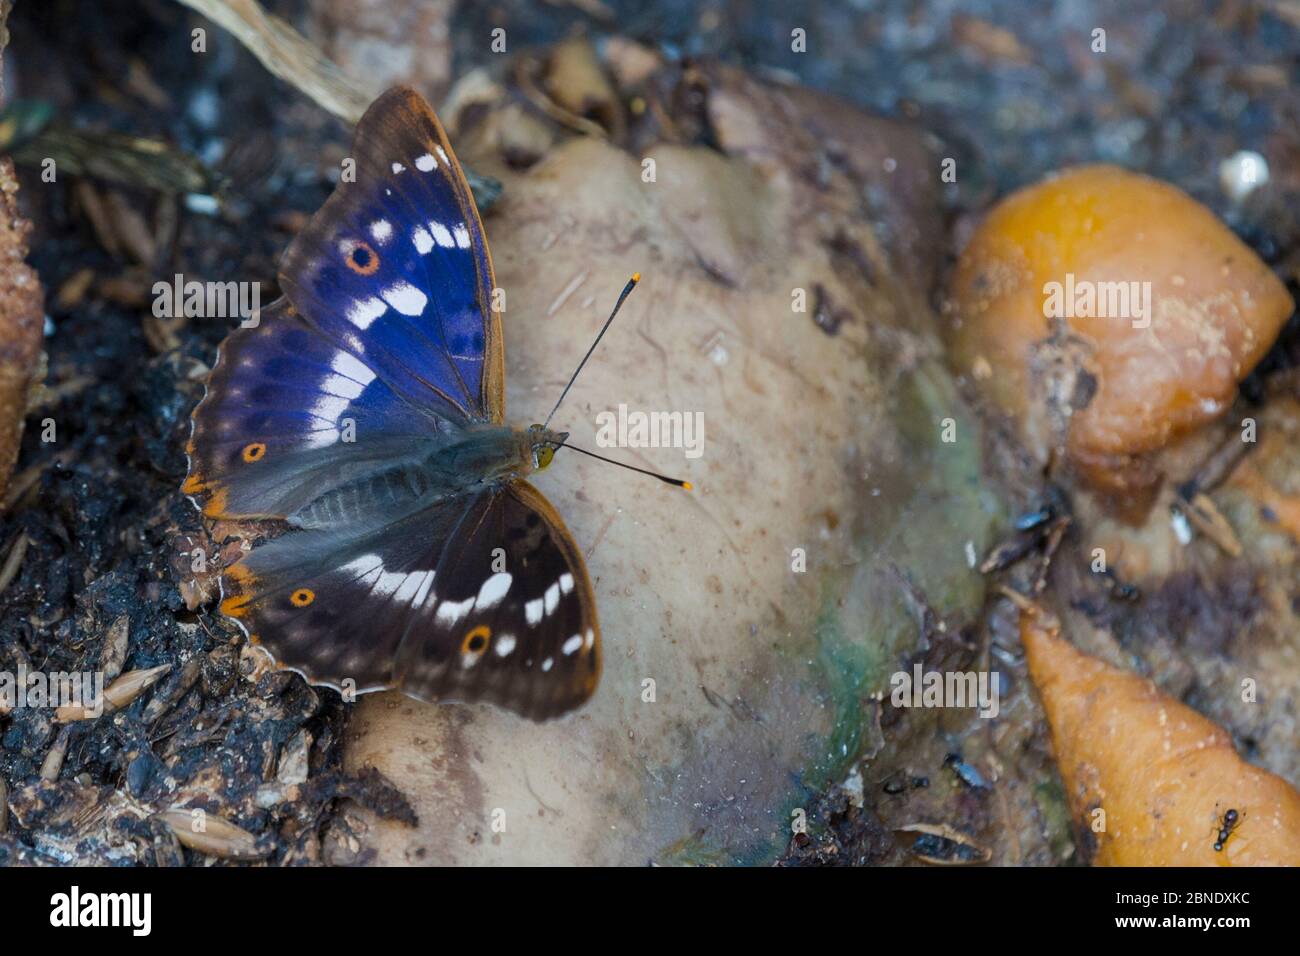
1242	173
202	204
853	786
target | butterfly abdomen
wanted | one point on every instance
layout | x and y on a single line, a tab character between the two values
392	492
471	460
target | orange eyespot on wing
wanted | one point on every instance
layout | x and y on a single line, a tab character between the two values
302	597
254	451
476	641
362	258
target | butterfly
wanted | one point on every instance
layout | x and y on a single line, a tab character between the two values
362	418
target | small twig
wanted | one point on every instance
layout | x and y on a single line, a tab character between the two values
1016	598
1055	535
1202	512
14	560
52	765
48	396
116	696
25	480
1194	502
535	95
286	53
1217	467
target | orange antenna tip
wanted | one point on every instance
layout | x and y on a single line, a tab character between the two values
687	485
636	277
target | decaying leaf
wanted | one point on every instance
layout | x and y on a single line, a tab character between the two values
22	307
1116	314
1149	779
22	310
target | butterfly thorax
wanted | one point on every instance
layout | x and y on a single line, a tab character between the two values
484	454
459	463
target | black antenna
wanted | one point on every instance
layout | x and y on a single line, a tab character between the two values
622	296
627	290
653	474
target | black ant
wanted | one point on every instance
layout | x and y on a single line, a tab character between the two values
1231	820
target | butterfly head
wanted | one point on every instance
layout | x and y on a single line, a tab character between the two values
543	444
